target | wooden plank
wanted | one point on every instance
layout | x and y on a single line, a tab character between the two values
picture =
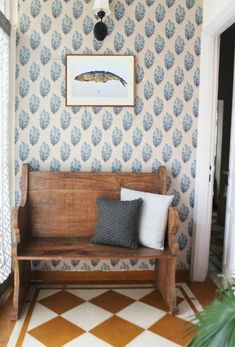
22	273
102	181
99	277
67	200
165	270
93	277
82	248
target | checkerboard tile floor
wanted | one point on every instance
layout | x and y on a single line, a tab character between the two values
102	317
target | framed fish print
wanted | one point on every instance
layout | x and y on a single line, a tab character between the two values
99	80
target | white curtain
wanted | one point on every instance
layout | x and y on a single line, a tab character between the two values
5	221
2	6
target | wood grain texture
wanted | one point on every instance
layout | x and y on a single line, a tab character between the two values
165	270
172	227
93	277
57	217
101	277
22	274
68	200
82	248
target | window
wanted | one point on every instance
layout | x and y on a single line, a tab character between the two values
4	7
5	223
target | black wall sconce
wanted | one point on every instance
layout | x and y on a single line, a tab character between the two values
101	9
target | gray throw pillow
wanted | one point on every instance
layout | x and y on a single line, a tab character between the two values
117	223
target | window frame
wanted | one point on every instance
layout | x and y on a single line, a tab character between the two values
5	25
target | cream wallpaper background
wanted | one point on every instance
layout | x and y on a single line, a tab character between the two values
164	37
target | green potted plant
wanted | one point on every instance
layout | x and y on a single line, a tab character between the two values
215	325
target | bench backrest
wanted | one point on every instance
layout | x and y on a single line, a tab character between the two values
63	204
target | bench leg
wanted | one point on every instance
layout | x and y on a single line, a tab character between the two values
22	270
165	281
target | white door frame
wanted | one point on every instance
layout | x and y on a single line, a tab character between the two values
208	94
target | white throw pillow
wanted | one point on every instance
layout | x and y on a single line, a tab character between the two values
153	219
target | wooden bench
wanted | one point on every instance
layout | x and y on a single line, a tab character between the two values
57	216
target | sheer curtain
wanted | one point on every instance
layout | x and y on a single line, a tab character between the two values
5	221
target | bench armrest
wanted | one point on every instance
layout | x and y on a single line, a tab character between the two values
172	227
20	213
19	222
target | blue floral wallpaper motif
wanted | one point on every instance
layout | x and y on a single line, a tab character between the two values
161	129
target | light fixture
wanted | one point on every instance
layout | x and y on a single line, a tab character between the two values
101	9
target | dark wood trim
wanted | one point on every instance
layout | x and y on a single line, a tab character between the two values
91	276
94	277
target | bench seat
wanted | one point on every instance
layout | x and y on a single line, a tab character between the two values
82	248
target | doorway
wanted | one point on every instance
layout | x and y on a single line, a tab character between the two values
208	97
222	150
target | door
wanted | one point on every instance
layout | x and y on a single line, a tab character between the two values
229	242
219	189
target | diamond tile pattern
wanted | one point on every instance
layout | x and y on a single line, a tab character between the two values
154	299
141	314
112	301
61	302
106	317
87	315
177	331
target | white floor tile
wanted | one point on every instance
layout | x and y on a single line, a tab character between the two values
133	293
86	315
185	311
40	315
141	314
87	340
149	339
87	294
18	326
30	341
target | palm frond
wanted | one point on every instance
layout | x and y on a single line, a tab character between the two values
216	324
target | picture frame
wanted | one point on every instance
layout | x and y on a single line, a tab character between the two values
99	80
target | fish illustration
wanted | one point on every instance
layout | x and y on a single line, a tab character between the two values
99	76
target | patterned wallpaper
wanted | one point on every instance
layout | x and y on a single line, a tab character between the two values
164	36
